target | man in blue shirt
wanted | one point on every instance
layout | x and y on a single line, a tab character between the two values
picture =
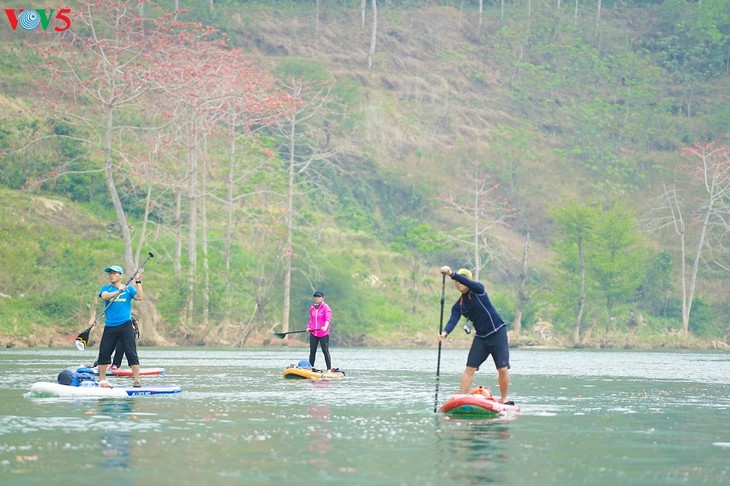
490	332
118	324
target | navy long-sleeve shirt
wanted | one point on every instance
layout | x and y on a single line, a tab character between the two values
476	307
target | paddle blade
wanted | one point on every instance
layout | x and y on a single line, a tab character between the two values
281	335
83	339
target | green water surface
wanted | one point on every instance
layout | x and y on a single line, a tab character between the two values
588	417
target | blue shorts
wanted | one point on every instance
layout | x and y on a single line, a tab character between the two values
495	344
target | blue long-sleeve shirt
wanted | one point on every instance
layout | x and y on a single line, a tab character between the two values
476	307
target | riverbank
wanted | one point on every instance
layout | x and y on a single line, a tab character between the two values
419	340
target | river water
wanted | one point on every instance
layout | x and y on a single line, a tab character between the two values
588	417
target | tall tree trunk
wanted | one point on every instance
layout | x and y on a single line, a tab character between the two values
288	249
373	34
476	236
415	272
204	235
316	18
113	193
582	296
177	261
230	211
143	233
687	308
147	308
523	296
192	219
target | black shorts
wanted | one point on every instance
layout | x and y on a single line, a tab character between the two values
495	344
110	338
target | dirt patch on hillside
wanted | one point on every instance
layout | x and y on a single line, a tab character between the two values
57	213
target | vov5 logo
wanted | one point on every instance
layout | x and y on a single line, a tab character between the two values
31	19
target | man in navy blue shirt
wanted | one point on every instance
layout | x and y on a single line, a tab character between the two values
490	332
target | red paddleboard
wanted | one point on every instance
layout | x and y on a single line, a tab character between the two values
479	403
123	372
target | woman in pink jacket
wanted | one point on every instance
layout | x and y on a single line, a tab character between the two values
320	319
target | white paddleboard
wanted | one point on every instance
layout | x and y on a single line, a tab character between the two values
48	389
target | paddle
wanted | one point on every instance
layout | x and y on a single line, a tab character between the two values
83	338
441	329
281	335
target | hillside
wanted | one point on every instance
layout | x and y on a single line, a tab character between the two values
554	109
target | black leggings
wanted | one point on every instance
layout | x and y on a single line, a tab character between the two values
325	342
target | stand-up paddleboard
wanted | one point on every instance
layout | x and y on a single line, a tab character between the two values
48	389
308	373
123	372
479	403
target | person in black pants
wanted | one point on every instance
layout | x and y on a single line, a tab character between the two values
320	320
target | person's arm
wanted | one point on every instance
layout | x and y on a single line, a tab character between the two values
327	318
109	295
473	285
453	320
138	285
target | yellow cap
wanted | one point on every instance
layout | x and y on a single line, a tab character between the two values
465	272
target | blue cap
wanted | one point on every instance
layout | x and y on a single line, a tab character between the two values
114	268
318	294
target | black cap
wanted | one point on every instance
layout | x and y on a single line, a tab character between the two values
318	293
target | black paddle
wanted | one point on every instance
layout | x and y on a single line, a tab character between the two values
83	338
281	335
441	329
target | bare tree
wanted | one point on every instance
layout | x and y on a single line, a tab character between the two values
575	224
304	135
254	103
706	174
483	211
106	58
524	292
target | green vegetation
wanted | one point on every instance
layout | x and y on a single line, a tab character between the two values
579	121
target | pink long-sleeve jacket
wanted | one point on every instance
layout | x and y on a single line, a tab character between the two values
320	319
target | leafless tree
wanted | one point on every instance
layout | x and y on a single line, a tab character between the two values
524	292
304	135
697	205
481	208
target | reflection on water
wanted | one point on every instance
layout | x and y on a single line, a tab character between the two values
115	441
472	450
319	431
